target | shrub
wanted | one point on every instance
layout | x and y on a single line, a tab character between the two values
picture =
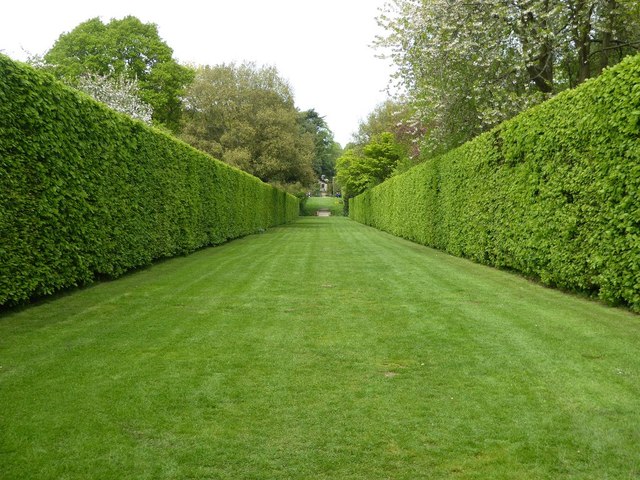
553	193
86	191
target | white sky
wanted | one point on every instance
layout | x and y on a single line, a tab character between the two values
321	47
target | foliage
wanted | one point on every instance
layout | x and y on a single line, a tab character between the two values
311	205
321	350
552	193
327	150
470	65
400	118
121	94
360	168
246	116
126	48
86	191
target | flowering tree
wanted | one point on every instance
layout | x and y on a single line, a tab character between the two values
468	65
119	93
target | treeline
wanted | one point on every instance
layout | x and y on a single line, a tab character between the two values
552	193
242	114
87	192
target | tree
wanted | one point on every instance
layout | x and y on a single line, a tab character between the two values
399	118
352	173
327	150
124	48
470	65
361	168
120	94
246	116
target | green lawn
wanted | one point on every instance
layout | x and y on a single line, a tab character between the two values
323	349
312	204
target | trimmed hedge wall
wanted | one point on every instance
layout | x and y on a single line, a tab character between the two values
85	191
553	193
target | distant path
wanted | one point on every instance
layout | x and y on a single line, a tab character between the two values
321	349
313	205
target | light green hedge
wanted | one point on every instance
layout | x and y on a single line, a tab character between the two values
553	193
85	191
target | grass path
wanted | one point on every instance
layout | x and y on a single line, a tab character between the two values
334	205
323	349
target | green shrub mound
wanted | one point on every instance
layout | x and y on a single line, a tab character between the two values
553	193
86	192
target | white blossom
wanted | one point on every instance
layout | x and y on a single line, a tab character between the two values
119	93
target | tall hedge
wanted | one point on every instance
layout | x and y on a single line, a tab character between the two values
85	191
553	193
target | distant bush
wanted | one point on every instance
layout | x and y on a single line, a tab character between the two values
85	191
553	193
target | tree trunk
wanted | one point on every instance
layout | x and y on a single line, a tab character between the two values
540	68
541	73
584	48
582	29
607	36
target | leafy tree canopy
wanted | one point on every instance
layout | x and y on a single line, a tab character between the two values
400	118
360	168
126	48
245	115
327	150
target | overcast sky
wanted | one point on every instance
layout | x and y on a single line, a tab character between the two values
321	47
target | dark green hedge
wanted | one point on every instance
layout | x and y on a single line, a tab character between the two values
553	193
85	191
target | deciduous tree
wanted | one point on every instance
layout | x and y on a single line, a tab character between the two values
124	48
400	118
360	168
245	115
327	150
